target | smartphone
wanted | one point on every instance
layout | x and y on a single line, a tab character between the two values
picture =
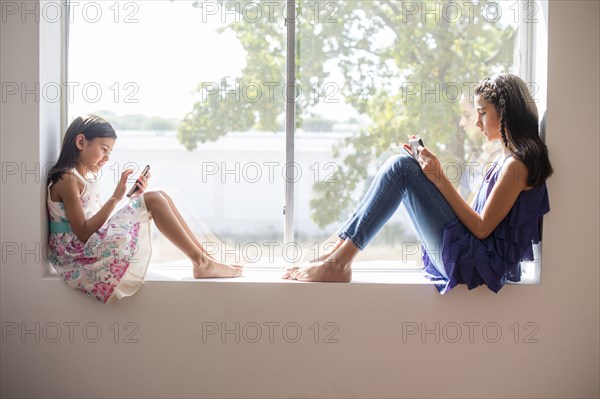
414	144
135	188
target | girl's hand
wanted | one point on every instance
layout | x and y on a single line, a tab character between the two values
142	184
122	185
431	165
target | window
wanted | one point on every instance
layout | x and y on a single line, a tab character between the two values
198	89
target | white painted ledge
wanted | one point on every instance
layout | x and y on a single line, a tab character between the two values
181	271
365	273
409	274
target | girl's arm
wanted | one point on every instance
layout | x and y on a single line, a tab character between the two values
512	181
68	191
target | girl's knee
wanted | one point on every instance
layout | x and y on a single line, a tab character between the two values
153	198
402	163
164	195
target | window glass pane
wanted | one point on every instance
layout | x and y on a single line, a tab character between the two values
182	84
376	72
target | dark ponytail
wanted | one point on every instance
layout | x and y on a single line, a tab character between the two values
518	118
91	126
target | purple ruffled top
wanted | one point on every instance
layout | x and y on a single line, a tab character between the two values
495	259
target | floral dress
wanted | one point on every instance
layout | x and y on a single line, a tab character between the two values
113	262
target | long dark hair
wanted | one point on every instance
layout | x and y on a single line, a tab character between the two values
91	126
518	116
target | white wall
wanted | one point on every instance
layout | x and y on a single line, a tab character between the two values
370	359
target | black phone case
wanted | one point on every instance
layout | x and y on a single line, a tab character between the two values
135	187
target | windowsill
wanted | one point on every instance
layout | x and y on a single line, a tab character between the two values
367	272
182	271
272	275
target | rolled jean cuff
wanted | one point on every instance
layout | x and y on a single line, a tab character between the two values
345	236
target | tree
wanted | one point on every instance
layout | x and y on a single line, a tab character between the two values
390	56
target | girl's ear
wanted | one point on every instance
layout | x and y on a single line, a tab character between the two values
79	141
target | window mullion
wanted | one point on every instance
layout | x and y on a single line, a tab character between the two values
290	106
526	42
64	67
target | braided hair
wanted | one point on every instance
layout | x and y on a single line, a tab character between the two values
91	126
518	117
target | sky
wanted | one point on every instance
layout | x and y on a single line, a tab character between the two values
152	52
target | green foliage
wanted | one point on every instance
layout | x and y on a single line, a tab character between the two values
214	118
381	52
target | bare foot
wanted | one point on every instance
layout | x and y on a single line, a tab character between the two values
332	271
328	253
209	268
206	255
288	272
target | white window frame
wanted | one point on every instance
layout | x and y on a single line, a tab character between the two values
527	54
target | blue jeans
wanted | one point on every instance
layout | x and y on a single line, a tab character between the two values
401	180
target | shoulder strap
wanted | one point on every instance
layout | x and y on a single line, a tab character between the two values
508	156
504	160
48	191
76	173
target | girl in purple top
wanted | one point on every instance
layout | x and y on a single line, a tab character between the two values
482	244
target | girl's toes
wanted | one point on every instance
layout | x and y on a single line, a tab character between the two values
289	272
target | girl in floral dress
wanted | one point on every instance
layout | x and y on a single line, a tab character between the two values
102	255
